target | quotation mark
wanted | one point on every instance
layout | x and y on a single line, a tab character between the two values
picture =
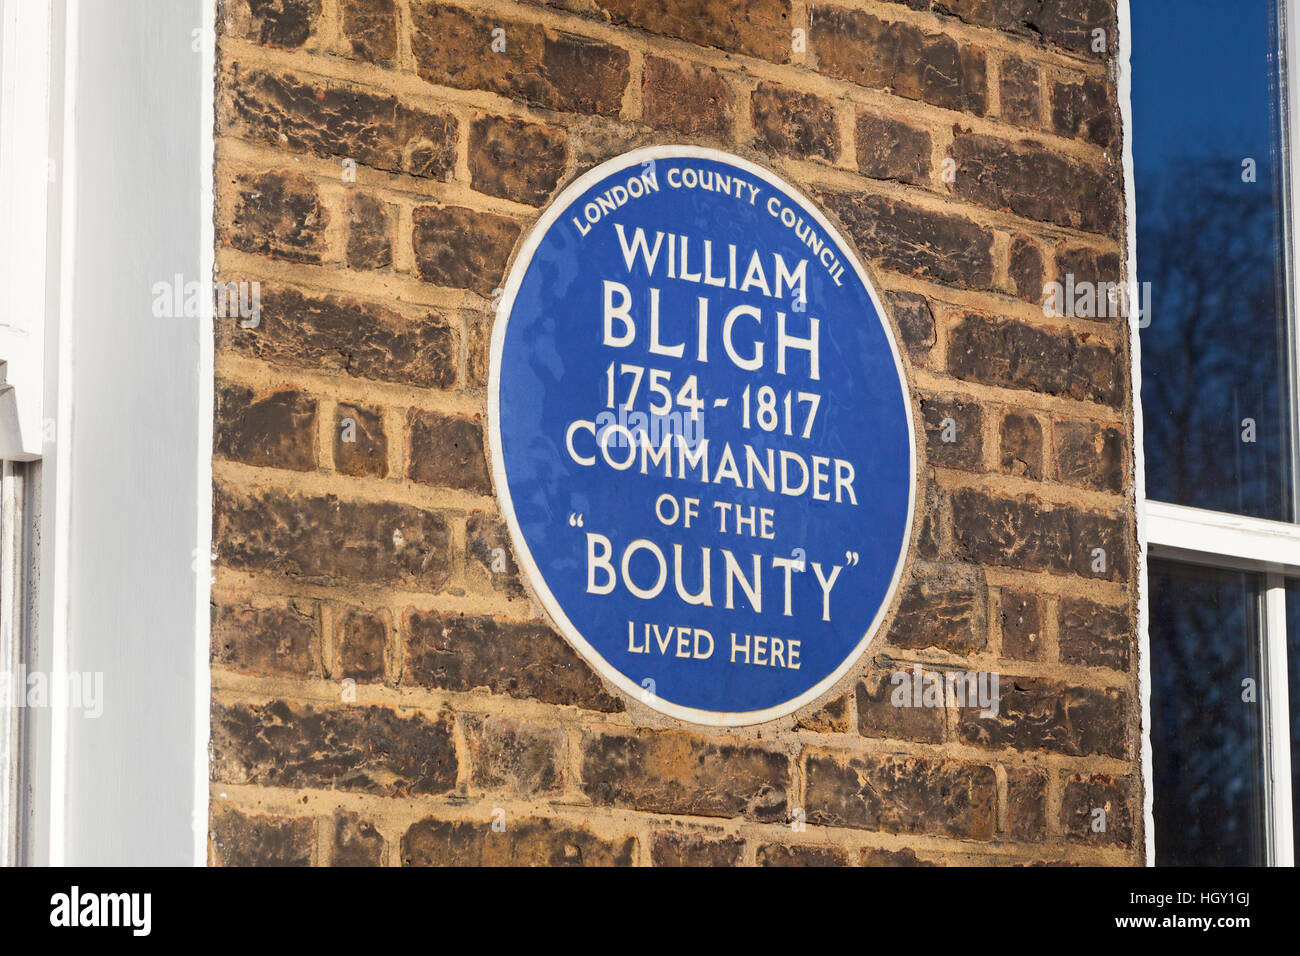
575	519
850	558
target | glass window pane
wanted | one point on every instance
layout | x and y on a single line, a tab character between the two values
1206	739
1208	169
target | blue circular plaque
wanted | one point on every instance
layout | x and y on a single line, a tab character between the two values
701	435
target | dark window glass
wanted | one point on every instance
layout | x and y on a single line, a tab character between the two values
1206	739
1208	174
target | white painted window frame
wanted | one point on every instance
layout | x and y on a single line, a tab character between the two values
1270	549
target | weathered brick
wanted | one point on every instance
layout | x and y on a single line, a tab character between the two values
358	749
462	248
446	450
943	606
831	718
334	333
361	639
282	23
336	120
1022	624
360	444
1020	439
370	232
1036	182
1085	110
880	719
873	856
357	841
524	660
1022	103
678	772
915	321
559	71
1014	354
370	29
276	213
1025	270
489	555
1088	454
890	148
954	432
1094	634
1038	714
281	639
324	540
1066	23
247	839
790	123
528	842
685	97
678	848
513	756
800	854
1091	282
758	28
931	543
901	794
1032	535
1081	798
907	239
516	160
1026	805
276	430
904	59
477	347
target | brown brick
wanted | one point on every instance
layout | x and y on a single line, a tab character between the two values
1021	97
370	232
361	636
523	660
676	848
891	148
336	120
901	794
1025	270
1064	23
489	555
276	214
323	540
246	839
1031	535
453	47
944	606
1020	439
790	123
516	160
446	450
1089	455
338	334
358	749
1103	295
512	756
880	719
758	28
1083	796
954	432
282	23
370	29
685	97
831	718
678	772
477	347
1022	624
360	445
276	430
1035	714
462	248
280	640
528	842
1036	182
1026	805
1085	110
871	856
915	321
903	238
904	59
1014	354
1094	634
800	854
931	543
357	841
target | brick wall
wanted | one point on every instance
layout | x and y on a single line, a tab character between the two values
384	689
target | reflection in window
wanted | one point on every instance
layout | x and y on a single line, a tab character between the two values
1209	241
1206	706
